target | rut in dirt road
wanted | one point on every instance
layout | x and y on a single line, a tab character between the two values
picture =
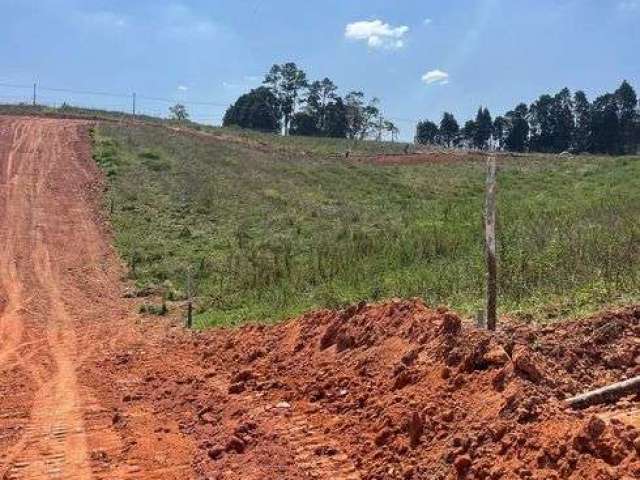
55	267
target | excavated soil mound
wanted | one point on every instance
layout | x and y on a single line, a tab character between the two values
396	391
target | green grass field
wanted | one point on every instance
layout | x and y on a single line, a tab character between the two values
272	227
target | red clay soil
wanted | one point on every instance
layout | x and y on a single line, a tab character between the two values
91	390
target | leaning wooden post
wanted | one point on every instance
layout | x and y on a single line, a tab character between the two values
490	245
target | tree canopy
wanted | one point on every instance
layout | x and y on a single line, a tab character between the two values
259	110
179	112
286	82
290	103
551	124
449	129
427	133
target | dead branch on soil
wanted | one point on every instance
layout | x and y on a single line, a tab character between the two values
605	394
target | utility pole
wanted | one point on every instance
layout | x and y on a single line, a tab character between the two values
134	104
35	87
490	245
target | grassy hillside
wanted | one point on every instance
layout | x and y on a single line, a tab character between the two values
258	140
269	232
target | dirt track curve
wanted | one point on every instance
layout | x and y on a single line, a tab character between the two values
89	390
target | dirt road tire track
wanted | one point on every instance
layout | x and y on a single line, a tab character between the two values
59	298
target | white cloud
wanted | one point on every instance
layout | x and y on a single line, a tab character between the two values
427	21
436	76
183	88
377	34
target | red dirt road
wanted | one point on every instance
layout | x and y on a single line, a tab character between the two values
90	390
59	303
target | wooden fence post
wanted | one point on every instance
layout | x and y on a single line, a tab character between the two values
490	245
190	315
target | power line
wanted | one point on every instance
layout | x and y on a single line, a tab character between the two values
84	92
147	98
195	102
11	85
117	95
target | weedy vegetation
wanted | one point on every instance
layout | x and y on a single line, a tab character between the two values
269	227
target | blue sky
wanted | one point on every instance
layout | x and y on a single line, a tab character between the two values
420	57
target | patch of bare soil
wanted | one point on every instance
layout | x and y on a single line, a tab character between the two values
397	390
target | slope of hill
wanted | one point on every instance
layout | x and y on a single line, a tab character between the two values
269	228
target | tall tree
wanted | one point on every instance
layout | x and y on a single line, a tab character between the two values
286	82
258	110
499	131
391	129
582	120
318	97
427	133
627	101
541	124
362	119
517	129
449	129
354	102
179	112
484	128
336	123
469	132
563	120
605	125
373	120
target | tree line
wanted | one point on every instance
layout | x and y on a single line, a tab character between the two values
288	102
551	124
